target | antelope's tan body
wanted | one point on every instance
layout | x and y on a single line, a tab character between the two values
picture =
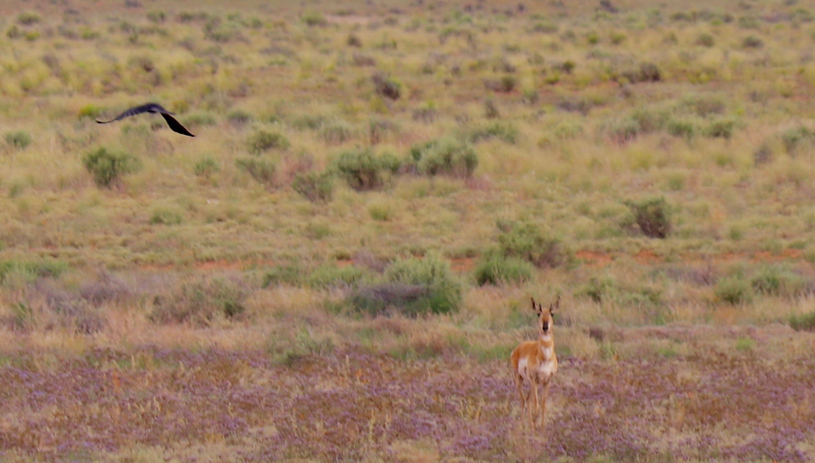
534	363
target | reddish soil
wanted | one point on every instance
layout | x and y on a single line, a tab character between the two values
594	259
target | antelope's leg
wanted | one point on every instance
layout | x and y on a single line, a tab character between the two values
543	402
519	380
533	412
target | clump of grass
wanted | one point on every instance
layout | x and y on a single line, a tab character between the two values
18	139
239	117
721	128
206	167
107	167
387	87
201	301
491	110
652	216
331	276
90	111
734	290
165	216
495	269
445	156
363	170
504	131
263	141
199	119
262	170
796	138
28	18
706	40
157	17
291	274
31	270
316	187
805	322
336	132
777	280
752	41
644	72
505	84
412	287
381	211
313	18
526	241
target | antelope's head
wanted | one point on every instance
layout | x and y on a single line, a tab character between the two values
546	318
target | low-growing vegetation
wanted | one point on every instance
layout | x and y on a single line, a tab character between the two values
337	266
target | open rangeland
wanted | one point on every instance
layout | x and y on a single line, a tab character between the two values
339	264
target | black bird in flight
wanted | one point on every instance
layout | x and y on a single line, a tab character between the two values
153	108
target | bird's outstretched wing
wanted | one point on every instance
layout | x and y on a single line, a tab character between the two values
176	126
153	108
145	108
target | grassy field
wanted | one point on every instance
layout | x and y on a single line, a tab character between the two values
337	266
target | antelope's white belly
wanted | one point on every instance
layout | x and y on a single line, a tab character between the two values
543	370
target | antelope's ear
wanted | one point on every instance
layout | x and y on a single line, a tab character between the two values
555	306
536	307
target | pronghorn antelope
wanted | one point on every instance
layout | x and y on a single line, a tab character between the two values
534	362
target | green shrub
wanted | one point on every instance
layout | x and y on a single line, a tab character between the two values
199	119
107	167
336	132
796	137
507	84
32	270
157	17
607	289
362	169
706	40
597	289
386	87
777	280
263	140
201	301
14	32
90	111
506	132
239	117
617	38
317	188
331	276
491	110
751	41
805	322
381	211
645	72
313	18
445	156
702	105
622	129
733	290
412	287
684	127
526	241
495	269
28	18
261	170
652	216
290	274
721	128
206	167
165	216
18	139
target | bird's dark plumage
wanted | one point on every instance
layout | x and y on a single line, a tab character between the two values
152	108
